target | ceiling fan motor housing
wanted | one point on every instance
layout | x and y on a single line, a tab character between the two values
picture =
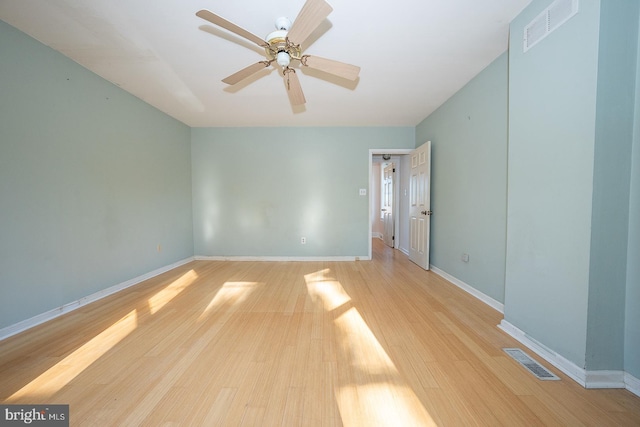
279	47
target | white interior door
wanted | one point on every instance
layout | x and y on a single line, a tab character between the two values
387	205
420	205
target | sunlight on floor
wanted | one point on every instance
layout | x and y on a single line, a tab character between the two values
377	395
381	404
361	345
163	297
63	372
326	289
230	294
371	390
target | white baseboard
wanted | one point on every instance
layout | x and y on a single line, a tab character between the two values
604	379
587	379
282	258
23	325
575	372
497	305
632	383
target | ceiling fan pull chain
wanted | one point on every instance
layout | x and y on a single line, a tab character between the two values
285	72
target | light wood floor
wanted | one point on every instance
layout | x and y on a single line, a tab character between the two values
367	343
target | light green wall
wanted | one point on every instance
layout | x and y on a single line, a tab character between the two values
632	305
612	168
91	181
257	191
469	180
570	206
552	100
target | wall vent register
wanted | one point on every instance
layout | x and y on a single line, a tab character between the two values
559	12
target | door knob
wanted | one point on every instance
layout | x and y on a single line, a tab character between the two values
423	212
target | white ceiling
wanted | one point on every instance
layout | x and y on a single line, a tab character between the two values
413	54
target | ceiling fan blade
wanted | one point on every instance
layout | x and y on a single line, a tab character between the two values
228	25
340	69
311	15
245	72
292	84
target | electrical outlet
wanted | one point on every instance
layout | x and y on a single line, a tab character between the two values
303	240
465	257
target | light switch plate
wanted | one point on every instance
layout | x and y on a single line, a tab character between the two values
363	191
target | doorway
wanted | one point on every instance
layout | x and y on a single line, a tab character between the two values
401	227
388	200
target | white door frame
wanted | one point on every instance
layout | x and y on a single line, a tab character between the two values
372	152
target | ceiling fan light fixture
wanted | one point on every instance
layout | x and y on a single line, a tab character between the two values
283	59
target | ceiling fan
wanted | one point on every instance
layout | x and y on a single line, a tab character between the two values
283	46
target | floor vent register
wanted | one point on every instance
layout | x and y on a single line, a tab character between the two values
531	365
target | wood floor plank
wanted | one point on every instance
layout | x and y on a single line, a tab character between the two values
320	343
217	412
